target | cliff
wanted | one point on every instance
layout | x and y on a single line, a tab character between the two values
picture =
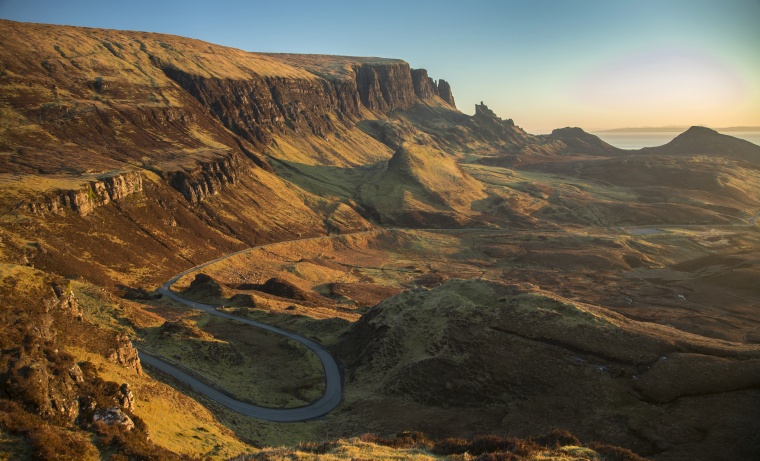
205	178
102	191
426	88
258	107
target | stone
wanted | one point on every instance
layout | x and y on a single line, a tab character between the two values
125	354
126	398
113	417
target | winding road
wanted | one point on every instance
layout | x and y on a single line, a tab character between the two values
333	382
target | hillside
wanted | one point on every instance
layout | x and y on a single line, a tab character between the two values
521	359
703	141
476	283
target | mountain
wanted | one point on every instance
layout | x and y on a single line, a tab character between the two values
301	191
579	141
675	129
699	140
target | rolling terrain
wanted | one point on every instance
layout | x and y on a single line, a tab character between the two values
474	282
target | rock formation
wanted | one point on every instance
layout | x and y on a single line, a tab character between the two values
125	354
102	191
113	417
207	178
444	91
126	398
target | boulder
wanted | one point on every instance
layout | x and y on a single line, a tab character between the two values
113	417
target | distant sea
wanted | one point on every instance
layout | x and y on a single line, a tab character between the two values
639	139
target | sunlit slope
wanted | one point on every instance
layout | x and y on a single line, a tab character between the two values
420	183
521	359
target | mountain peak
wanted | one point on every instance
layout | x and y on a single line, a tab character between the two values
580	141
701	130
700	140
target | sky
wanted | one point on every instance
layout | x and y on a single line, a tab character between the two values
596	64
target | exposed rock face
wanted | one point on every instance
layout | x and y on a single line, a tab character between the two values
482	112
126	398
208	178
42	379
113	417
444	91
258	107
385	87
96	193
424	86
125	354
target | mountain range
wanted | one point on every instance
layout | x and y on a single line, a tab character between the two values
509	295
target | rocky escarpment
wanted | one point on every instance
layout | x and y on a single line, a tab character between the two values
207	178
102	191
258	107
385	87
425	87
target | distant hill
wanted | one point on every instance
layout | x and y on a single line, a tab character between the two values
699	140
675	129
578	140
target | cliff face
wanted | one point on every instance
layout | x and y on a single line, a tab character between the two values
444	91
207	178
94	194
258	107
425	87
385	87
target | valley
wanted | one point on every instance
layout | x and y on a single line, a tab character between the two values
324	254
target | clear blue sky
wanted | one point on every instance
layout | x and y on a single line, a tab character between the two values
545	63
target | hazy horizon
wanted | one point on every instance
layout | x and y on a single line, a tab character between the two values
597	65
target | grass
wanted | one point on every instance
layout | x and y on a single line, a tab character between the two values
13	447
253	365
176	421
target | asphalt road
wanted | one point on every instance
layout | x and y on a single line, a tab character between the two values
333	383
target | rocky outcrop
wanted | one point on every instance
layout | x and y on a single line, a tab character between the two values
258	107
113	417
208	177
126	398
444	91
424	86
102	191
125	354
385	87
